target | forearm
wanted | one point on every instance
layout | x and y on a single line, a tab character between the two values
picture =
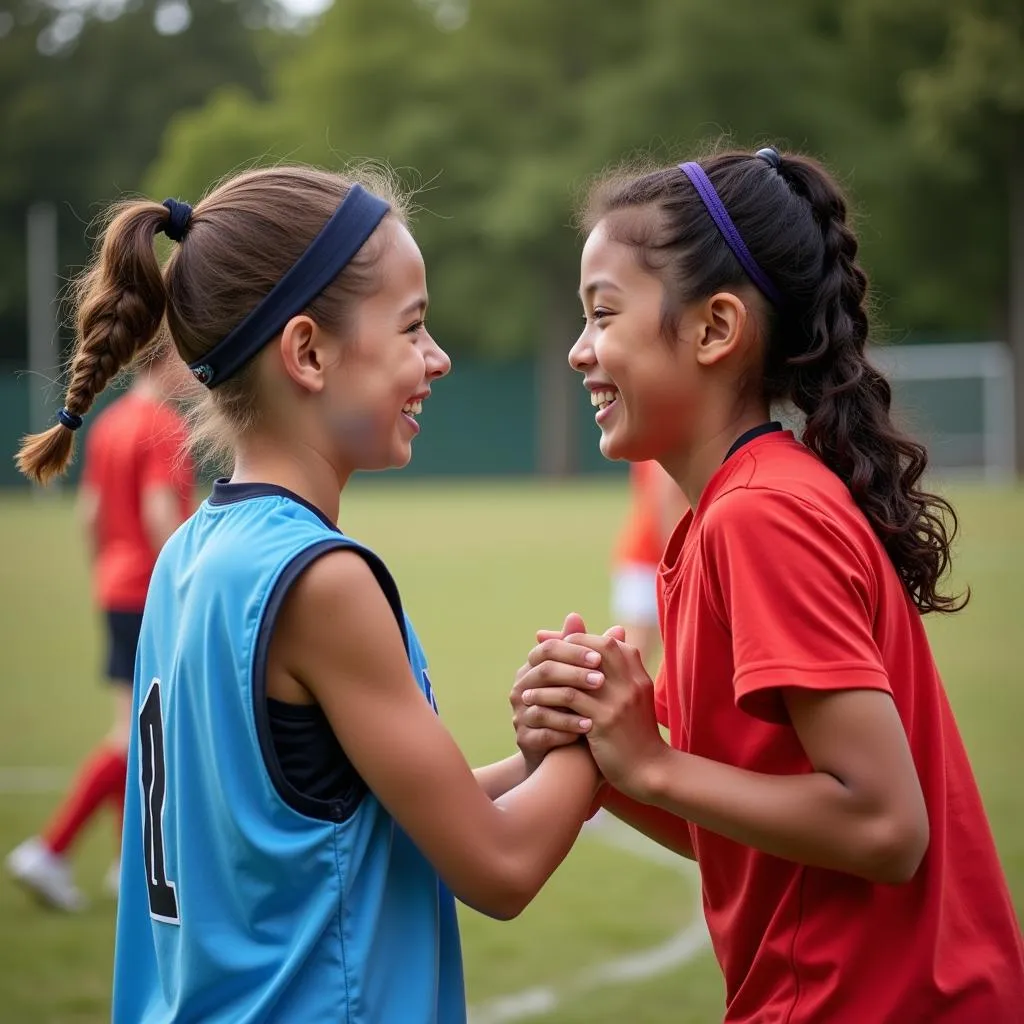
544	814
812	818
664	827
498	778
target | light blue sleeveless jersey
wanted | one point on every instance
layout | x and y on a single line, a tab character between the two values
243	901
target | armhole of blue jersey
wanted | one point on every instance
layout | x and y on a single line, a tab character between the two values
324	810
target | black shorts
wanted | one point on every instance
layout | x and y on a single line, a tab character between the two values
123	630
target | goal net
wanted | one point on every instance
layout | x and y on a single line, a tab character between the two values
959	400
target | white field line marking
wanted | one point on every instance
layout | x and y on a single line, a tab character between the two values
539	1000
679	949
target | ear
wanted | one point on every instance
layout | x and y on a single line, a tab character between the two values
722	321
303	353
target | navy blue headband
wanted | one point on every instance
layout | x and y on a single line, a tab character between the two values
728	231
328	254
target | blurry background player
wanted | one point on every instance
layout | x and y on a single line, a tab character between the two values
137	484
656	505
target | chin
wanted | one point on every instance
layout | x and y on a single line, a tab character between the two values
401	457
615	448
621	447
384	459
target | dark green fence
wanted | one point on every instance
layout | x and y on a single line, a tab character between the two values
481	420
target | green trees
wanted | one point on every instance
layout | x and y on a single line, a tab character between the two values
83	110
963	97
501	111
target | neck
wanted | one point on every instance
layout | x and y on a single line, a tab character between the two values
302	471
694	466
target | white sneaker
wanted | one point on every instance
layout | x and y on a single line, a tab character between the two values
112	880
46	875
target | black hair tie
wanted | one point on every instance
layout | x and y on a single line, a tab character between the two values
68	419
179	221
770	155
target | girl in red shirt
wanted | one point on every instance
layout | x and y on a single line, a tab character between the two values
814	769
136	489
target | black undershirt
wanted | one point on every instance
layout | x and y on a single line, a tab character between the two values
309	753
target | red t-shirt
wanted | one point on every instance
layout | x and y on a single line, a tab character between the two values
777	580
135	444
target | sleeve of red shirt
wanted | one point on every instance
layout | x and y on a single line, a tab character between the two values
661	679
660	703
796	596
167	462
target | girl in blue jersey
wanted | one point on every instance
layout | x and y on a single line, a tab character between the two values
297	818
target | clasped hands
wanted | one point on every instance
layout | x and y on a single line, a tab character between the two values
577	684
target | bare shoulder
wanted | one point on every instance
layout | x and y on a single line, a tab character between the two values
341	575
338	593
337	615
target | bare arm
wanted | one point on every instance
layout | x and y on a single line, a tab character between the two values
338	637
660	825
161	514
498	778
859	809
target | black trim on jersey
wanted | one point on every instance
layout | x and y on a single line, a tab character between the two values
750	435
342	808
226	493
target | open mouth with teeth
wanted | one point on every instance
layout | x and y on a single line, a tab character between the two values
603	399
410	411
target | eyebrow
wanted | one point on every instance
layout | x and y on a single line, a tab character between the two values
599	285
418	305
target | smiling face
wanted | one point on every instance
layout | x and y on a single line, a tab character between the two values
625	356
386	363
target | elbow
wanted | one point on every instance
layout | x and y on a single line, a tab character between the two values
506	909
506	893
895	849
509	897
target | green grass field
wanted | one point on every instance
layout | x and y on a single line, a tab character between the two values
480	567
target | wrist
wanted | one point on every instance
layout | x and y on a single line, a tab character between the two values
520	767
531	762
648	781
579	754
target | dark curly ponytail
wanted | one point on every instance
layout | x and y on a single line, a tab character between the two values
847	401
792	217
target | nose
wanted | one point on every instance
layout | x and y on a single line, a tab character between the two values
437	360
581	355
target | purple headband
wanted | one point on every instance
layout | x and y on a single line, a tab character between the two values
719	214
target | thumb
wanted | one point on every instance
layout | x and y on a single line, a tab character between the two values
573	624
616	633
